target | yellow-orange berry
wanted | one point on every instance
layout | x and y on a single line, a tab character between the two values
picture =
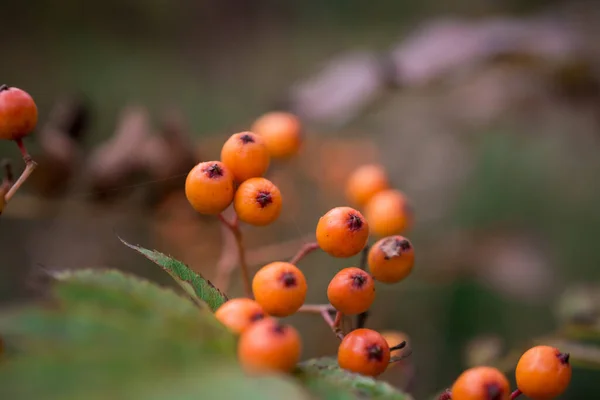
342	232
269	346
388	213
209	187
18	113
239	314
481	383
391	259
246	155
351	291
543	373
282	132
365	182
280	288
258	202
364	351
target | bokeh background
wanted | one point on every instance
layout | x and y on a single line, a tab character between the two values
485	113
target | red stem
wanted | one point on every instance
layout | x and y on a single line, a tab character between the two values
304	251
515	394
235	229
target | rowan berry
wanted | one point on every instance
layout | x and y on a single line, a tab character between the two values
246	156
391	259
258	202
18	113
209	187
481	383
365	182
280	288
543	373
388	213
342	232
364	351
269	346
351	291
282	133
239	314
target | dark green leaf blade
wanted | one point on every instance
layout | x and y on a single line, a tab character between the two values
200	289
327	380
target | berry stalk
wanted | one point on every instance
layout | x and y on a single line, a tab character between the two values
234	227
515	394
30	166
304	251
361	319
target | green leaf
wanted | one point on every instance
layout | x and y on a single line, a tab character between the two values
326	379
201	290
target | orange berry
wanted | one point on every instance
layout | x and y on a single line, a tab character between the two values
342	232
282	133
364	351
351	291
391	259
269	346
18	113
481	383
388	213
280	288
246	156
394	338
258	202
239	314
365	182
543	373
209	187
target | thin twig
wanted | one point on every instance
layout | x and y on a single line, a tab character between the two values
325	311
304	251
515	394
234	227
30	166
361	319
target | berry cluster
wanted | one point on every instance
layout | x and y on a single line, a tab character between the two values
542	373
279	288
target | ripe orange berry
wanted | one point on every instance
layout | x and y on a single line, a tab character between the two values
351	291
388	213
282	133
391	259
365	182
239	314
209	187
481	383
269	346
18	113
342	232
280	288
246	156
364	351
543	373
258	202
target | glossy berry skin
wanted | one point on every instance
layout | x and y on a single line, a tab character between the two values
209	187
258	202
269	346
239	314
365	182
388	213
351	291
282	133
481	383
246	156
280	288
364	351
391	259
342	232
18	113
543	373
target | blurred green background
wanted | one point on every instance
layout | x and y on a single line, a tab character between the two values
505	190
